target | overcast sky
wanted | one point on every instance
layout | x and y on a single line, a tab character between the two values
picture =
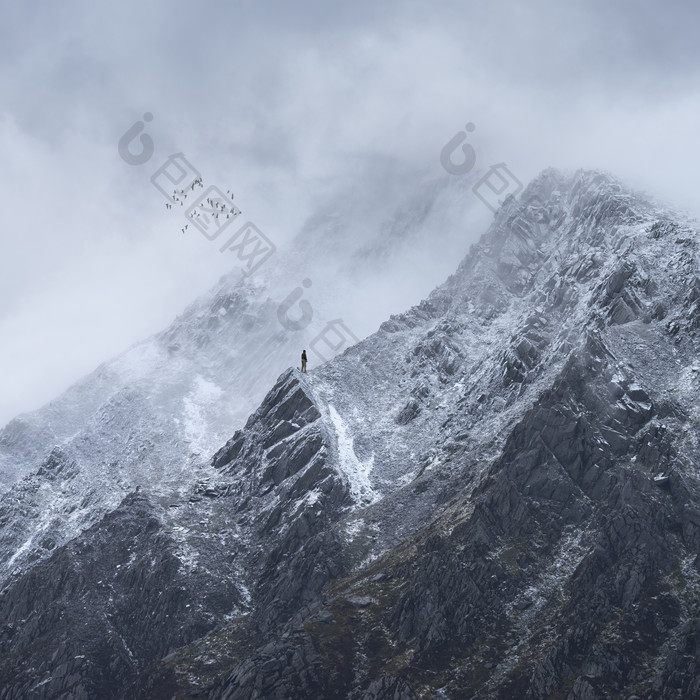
274	100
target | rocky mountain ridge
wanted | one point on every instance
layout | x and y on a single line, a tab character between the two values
495	495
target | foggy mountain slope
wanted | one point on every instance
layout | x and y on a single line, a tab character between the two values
464	502
331	247
154	415
30	437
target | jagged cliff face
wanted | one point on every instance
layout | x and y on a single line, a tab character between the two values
495	495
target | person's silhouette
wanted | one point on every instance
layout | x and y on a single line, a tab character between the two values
303	361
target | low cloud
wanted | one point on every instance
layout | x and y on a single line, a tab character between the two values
288	104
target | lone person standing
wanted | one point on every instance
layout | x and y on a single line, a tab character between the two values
303	361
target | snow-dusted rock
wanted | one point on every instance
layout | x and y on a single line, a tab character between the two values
464	504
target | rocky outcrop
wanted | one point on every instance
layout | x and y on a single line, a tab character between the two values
94	613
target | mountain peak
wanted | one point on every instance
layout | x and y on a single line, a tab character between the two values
494	495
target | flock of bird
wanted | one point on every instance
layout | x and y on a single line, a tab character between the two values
214	204
183	193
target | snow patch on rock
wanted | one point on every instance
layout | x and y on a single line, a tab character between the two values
356	472
196	405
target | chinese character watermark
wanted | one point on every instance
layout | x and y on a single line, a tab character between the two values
212	212
177	172
336	336
251	245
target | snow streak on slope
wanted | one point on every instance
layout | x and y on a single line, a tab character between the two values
197	410
356	472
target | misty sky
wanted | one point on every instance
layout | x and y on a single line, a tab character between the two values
288	103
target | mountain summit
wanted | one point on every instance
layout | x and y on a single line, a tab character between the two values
495	495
